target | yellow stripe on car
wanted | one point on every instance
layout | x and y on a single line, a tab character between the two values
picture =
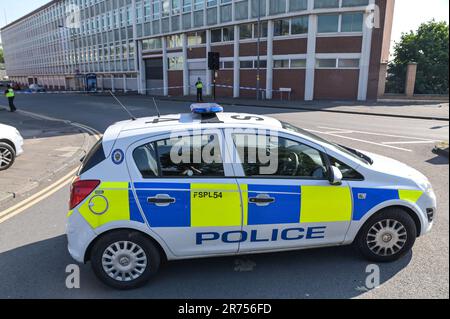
410	195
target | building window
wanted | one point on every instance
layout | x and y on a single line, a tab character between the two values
328	23
298	63
298	5
228	34
216	35
246	64
245	31
211	16
281	64
176	6
352	22
174	41
227	65
196	38
348	63
211	3
299	25
241	10
277	6
264	28
320	4
186	19
187	5
354	3
199	4
198	18
281	27
165	7
256	10
176	63
152	44
326	63
226	13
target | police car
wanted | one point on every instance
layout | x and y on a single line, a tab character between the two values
209	183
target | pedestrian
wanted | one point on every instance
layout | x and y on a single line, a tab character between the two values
10	95
199	86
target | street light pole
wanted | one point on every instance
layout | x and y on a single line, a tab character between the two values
258	49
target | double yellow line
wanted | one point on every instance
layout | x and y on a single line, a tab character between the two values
51	189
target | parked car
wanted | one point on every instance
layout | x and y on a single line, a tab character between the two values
11	143
36	88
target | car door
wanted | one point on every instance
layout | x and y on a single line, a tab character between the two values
287	198
181	186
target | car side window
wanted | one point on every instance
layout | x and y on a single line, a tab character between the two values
348	173
146	161
274	156
191	156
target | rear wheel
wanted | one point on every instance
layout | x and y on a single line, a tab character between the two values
387	236
7	156
124	259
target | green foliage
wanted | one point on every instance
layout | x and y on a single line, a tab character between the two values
2	60
428	47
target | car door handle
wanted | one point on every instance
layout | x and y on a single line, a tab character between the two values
161	200
262	200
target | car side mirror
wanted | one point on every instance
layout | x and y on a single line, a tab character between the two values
335	176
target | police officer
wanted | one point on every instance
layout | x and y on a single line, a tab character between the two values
10	95
199	86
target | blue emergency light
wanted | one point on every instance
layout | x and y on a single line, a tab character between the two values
206	108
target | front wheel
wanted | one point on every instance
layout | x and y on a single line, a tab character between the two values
7	156
387	236
125	259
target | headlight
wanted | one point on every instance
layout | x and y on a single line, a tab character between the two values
428	188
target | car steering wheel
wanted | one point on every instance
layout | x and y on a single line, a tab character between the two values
292	156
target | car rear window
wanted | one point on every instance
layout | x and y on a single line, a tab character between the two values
95	156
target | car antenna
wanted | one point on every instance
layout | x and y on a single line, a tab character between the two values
156	107
123	106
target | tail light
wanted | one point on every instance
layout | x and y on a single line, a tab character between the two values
80	190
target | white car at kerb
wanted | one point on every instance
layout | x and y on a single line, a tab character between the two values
11	143
135	203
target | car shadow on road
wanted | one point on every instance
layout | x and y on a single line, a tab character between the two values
438	160
38	270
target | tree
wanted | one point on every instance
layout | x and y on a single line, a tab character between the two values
428	47
2	60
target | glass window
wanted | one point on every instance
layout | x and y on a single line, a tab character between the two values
225	13
197	155
277	6
186	20
298	63
211	3
352	22
354	3
241	10
198	18
199	4
228	34
298	5
255	8
187	5
281	27
216	35
145	159
326	63
348	63
326	4
264	29
211	16
348	173
299	25
176	6
328	23
245	31
246	64
176	63
228	65
268	155
281	64
165	7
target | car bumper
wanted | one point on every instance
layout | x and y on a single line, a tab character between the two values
79	236
428	207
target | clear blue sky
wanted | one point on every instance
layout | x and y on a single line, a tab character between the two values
409	14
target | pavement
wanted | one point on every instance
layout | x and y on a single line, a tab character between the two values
34	257
428	109
51	148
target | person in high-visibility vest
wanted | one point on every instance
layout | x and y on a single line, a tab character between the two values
199	86
10	95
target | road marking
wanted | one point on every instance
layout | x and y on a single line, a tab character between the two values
53	188
411	142
36	198
364	141
345	131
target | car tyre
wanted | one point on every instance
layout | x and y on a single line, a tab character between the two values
7	156
125	252
387	236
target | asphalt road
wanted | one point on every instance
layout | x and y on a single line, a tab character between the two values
33	255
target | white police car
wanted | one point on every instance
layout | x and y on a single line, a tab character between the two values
210	183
